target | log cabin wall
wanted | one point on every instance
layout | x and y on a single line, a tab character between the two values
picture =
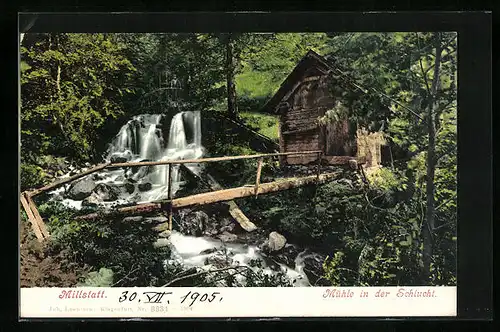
305	95
300	129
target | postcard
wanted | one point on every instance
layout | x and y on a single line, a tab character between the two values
238	174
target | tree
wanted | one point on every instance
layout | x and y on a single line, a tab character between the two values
70	84
415	75
230	71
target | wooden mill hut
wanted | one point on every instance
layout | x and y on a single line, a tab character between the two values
303	98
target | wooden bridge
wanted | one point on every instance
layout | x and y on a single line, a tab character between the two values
218	194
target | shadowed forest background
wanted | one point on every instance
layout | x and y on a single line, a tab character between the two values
77	90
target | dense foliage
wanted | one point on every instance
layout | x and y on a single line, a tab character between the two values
122	253
77	89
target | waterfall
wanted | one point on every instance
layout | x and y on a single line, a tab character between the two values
141	138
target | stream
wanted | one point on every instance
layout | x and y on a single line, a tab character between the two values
226	244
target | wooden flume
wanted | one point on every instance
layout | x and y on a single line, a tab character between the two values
217	195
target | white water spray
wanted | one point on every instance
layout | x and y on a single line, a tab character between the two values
141	139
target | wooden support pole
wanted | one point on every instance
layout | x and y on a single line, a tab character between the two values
170	197
37	215
257	179
31	218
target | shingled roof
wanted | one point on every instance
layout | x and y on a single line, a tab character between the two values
310	61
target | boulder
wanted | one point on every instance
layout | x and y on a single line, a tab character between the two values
228	225
219	261
129	187
194	223
165	234
276	241
106	192
120	178
208	251
313	268
161	243
161	227
288	255
211	226
98	176
132	219
144	186
118	159
92	200
353	164
129	179
156	220
227	237
81	189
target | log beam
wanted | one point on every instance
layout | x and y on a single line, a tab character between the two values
206	160
31	218
223	195
66	180
170	212
128	210
342	160
240	192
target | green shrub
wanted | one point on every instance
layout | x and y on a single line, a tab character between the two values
102	278
32	176
126	248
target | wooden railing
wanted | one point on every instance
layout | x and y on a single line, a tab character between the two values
40	229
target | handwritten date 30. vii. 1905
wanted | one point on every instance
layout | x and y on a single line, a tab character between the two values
165	297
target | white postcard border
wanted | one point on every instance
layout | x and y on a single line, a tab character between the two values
201	302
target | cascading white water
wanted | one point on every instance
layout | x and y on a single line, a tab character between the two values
192	252
140	139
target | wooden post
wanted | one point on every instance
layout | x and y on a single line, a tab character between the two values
170	197
363	174
257	179
37	216
31	218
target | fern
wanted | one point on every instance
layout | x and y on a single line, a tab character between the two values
103	278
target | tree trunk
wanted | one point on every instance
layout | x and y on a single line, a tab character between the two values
223	195
230	73
428	225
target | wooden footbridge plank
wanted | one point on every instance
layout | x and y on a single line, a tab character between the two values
241	192
223	195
